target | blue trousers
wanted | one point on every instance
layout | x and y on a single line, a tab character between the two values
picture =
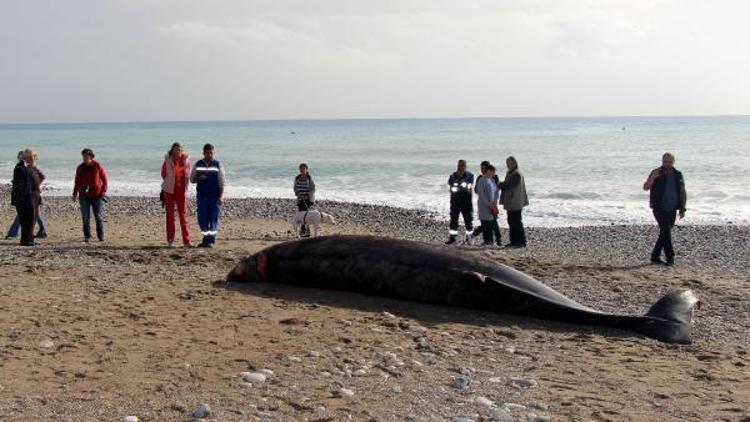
15	227
208	219
87	204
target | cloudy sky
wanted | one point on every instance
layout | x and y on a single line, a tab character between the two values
133	60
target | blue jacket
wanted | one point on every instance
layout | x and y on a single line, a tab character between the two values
209	179
461	187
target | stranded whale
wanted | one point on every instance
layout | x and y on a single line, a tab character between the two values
425	273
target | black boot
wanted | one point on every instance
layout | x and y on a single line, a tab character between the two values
451	240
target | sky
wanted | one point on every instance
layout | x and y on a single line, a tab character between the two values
153	60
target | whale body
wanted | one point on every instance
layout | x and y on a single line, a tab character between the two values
426	273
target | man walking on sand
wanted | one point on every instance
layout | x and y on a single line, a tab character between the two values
208	175
460	183
667	196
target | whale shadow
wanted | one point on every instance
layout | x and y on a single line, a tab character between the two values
427	314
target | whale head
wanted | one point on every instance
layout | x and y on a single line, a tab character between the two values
249	270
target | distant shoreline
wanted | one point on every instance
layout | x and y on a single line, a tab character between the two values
365	119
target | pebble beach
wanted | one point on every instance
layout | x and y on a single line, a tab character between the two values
131	328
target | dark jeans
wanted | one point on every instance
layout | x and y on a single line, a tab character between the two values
466	211
495	230
490	229
304	205
515	225
97	205
15	227
666	220
27	218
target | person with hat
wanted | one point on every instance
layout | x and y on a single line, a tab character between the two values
89	189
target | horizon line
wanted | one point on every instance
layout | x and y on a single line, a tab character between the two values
334	119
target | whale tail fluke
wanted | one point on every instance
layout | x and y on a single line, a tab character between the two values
670	319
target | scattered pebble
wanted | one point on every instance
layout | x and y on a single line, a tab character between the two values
461	383
500	415
202	411
130	419
253	377
522	383
294	359
537	405
389	315
46	344
514	407
265	371
344	392
359	373
311	354
484	401
397	389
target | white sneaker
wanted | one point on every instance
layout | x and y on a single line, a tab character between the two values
469	240
170	243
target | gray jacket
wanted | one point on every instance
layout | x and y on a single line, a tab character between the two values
486	198
513	196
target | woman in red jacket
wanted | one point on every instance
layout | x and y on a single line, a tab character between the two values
175	174
89	188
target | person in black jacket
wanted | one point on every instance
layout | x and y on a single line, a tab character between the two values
460	183
26	195
667	197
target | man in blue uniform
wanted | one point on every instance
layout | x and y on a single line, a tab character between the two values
460	183
208	175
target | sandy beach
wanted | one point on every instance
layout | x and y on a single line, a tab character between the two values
102	331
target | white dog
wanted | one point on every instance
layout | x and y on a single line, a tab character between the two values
312	219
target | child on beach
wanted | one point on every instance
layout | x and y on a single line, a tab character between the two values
175	174
304	190
208	175
89	189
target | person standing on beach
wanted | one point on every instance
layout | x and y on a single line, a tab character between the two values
90	188
175	174
208	175
483	169
667	196
460	183
487	205
304	190
26	195
15	226
513	197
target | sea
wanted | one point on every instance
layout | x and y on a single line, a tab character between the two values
579	171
